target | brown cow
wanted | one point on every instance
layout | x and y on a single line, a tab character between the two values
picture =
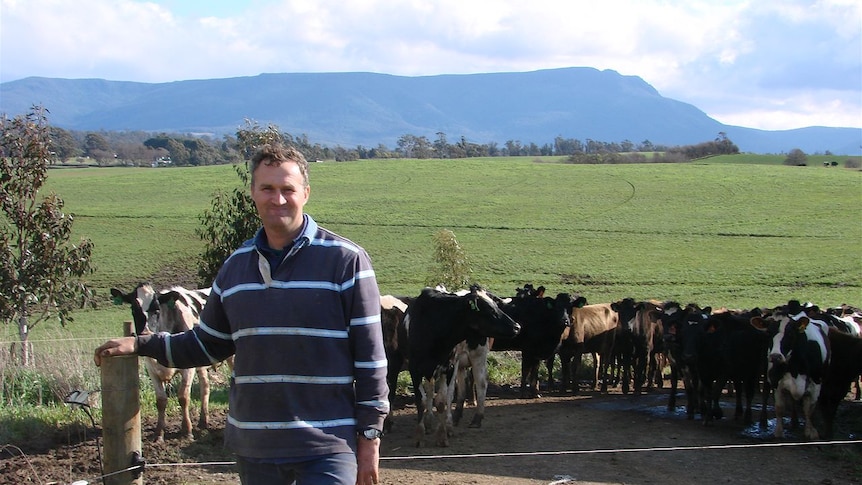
594	329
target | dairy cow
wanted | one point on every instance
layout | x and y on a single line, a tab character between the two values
437	322
798	360
543	321
172	310
593	329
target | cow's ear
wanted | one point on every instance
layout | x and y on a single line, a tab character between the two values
473	305
170	299
118	297
803	324
759	324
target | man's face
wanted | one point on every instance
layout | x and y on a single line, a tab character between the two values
279	196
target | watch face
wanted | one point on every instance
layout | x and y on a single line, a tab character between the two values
371	434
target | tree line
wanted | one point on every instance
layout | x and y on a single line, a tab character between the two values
140	148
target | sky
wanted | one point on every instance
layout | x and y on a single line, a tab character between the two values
768	64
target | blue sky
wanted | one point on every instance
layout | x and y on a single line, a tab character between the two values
776	64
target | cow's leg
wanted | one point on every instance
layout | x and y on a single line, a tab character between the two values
184	398
809	401
433	406
480	377
419	397
652	363
533	382
626	364
525	377
529	377
706	389
766	390
640	368
457	391
204	384
445	390
159	376
549	365
779	412
674	383
660	363
395	364
570	365
161	408
715	403
690	382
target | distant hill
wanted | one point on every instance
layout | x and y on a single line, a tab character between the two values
351	109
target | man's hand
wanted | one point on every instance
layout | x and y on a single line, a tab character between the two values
367	461
114	347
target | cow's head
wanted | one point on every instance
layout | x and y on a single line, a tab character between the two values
569	302
627	309
141	300
175	310
488	319
682	326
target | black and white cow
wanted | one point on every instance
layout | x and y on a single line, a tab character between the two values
798	361
437	322
173	310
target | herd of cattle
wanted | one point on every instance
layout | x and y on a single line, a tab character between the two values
801	354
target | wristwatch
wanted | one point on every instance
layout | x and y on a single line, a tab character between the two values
370	433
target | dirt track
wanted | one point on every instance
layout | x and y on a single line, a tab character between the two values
574	436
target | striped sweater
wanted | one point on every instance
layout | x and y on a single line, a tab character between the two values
310	369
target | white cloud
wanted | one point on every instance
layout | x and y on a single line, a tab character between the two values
766	65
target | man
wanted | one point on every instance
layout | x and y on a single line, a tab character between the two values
299	308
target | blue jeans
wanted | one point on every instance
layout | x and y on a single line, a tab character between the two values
335	469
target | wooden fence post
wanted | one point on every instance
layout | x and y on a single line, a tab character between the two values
121	417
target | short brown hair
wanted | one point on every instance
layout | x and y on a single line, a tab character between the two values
276	154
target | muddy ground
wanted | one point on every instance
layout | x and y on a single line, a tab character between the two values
583	439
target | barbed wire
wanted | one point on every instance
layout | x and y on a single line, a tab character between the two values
512	454
74	339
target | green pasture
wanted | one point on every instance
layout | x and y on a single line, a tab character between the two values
713	232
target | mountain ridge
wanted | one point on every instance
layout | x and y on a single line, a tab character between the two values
365	108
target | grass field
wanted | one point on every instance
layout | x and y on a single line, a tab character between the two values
716	233
738	231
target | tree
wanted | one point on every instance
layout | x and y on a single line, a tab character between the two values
441	146
232	219
41	272
97	147
452	268
64	144
796	157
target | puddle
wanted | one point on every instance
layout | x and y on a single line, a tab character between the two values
655	406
